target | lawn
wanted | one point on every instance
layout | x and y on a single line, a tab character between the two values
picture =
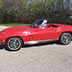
13	24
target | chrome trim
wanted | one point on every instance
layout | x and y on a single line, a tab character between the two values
41	41
1	42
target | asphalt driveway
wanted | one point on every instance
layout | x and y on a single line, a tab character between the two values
49	57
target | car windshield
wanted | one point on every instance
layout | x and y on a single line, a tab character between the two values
37	23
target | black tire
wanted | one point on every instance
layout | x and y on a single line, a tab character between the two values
13	44
65	38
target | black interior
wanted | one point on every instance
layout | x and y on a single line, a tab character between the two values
49	26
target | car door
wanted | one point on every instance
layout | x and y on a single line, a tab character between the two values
47	34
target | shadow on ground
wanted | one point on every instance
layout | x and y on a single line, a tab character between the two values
2	47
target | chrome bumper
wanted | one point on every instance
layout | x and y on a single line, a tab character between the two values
1	42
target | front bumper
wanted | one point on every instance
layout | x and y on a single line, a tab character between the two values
2	42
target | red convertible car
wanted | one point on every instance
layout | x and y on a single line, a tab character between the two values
40	31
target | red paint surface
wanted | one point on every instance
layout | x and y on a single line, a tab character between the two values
35	34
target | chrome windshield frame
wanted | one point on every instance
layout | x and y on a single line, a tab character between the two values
44	22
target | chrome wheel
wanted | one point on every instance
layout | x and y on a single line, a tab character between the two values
66	38
13	44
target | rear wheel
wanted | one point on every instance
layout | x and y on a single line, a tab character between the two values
65	38
13	44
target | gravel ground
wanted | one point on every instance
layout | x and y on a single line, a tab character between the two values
49	57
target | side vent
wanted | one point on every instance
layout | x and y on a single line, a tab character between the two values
29	38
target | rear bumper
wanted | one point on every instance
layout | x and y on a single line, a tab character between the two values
2	42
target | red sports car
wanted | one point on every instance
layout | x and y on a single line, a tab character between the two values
40	31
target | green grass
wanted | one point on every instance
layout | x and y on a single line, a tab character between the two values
13	24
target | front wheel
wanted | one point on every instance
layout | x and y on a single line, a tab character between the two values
13	44
65	38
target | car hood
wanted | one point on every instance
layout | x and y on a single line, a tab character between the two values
20	28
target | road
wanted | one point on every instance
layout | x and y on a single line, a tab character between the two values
48	57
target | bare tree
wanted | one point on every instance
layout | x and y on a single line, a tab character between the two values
26	11
60	11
